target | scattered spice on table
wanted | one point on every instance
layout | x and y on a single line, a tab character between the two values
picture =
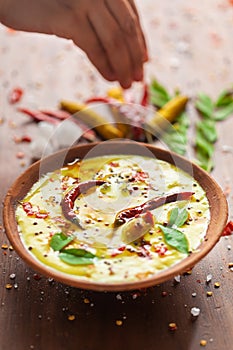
15	95
4	246
172	326
203	342
8	286
195	311
71	317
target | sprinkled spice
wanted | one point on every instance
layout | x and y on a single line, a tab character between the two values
195	311
203	342
86	301
20	155
119	322
71	317
172	326
208	278
8	286
4	246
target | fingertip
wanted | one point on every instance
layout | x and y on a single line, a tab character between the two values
126	84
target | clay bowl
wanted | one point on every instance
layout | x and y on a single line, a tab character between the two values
217	202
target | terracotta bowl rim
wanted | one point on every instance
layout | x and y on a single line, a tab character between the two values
218	209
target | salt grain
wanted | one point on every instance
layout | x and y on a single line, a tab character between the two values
195	311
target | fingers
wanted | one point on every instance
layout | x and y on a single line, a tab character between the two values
114	44
131	2
90	43
128	21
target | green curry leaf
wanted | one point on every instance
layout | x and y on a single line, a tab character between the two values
175	239
205	105
60	241
207	128
224	98
223	112
76	256
177	217
176	136
158	94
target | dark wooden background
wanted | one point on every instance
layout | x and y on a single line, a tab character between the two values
191	47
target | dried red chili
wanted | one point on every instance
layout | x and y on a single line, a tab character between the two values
15	95
38	116
98	99
67	202
58	114
153	203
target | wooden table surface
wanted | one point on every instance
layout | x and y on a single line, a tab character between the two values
191	47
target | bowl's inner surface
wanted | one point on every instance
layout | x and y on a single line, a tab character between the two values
108	250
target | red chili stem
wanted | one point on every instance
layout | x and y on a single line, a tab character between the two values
152	204
67	202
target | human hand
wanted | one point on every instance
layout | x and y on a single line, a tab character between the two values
109	31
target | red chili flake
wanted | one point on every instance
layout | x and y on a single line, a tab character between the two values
24	138
139	176
39	214
15	95
20	155
36	277
228	230
114	164
122	248
161	250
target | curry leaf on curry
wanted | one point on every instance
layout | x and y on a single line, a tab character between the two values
175	239
177	217
73	259
60	241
